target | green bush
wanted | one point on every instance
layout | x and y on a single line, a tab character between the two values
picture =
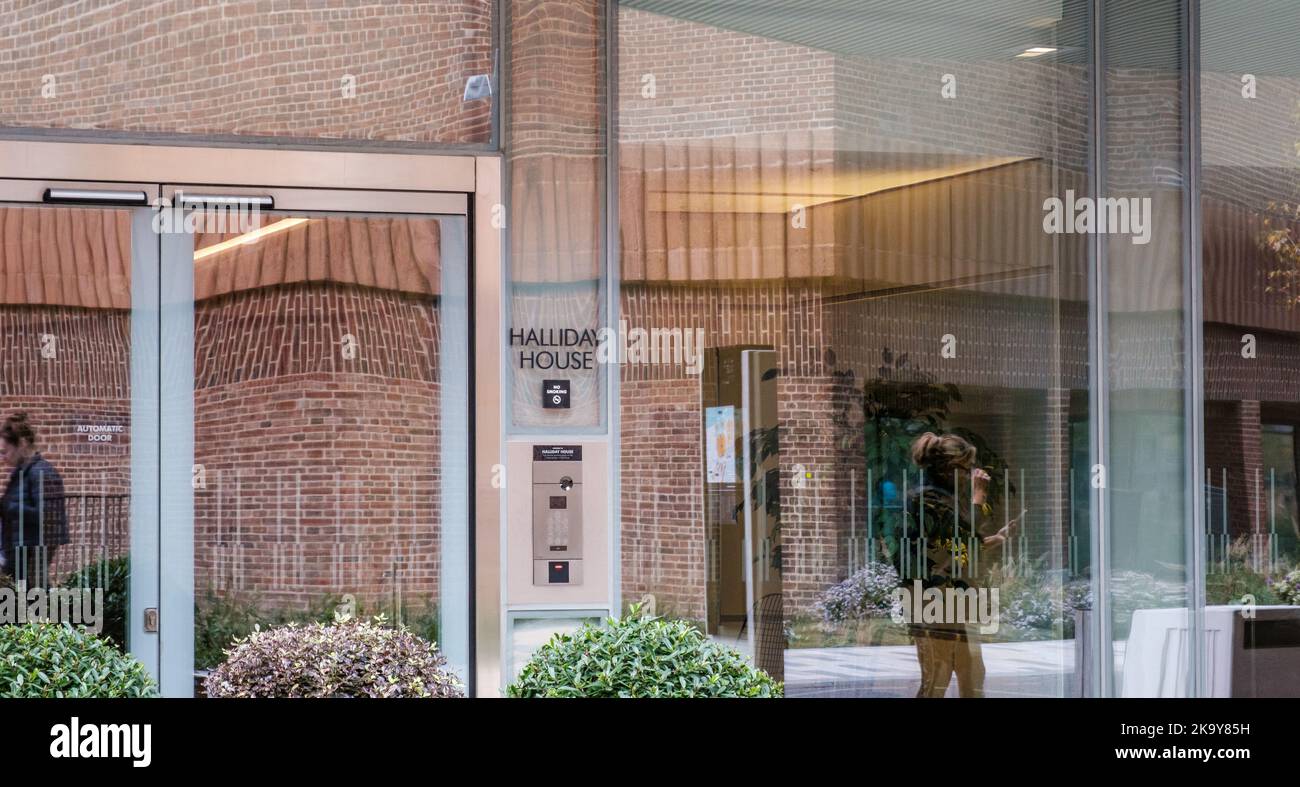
114	577
1231	586
636	656
223	619
58	660
352	658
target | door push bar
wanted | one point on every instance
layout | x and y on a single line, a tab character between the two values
95	197
224	200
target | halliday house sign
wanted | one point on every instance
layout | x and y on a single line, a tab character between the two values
555	348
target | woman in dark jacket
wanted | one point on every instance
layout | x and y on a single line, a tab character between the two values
33	524
949	544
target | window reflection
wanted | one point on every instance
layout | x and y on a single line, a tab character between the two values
840	203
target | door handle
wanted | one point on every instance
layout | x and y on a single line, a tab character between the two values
95	197
263	202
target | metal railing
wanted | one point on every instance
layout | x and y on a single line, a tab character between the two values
98	528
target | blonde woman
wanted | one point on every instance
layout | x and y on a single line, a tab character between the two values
940	506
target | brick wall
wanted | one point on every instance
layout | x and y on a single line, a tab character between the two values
1234	463
85	382
684	80
661	474
248	68
661	436
322	472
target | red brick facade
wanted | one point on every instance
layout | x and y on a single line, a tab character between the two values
321	471
82	379
342	69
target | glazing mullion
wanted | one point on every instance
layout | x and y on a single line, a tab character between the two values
1193	312
1099	383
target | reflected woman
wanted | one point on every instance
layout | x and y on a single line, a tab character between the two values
942	513
32	509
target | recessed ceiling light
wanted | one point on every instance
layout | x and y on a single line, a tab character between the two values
1037	51
248	237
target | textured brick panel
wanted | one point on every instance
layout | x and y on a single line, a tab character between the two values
397	254
65	257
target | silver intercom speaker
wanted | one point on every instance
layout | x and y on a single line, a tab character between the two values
557	515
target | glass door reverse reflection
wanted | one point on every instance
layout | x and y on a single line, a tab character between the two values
317	386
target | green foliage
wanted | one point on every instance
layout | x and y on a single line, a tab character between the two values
350	658
114	577
637	656
807	632
59	660
1286	589
221	619
1277	237
1229	587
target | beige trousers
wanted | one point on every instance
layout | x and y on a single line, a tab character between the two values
941	652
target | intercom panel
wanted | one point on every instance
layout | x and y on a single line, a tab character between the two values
557	521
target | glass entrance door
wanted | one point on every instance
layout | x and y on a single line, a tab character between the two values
315	417
78	408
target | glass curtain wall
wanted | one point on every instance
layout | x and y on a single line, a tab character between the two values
846	203
887	220
1143	477
79	434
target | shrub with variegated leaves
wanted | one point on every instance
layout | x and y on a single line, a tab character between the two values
867	593
1287	587
351	658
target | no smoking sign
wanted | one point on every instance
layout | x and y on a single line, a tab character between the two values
555	394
